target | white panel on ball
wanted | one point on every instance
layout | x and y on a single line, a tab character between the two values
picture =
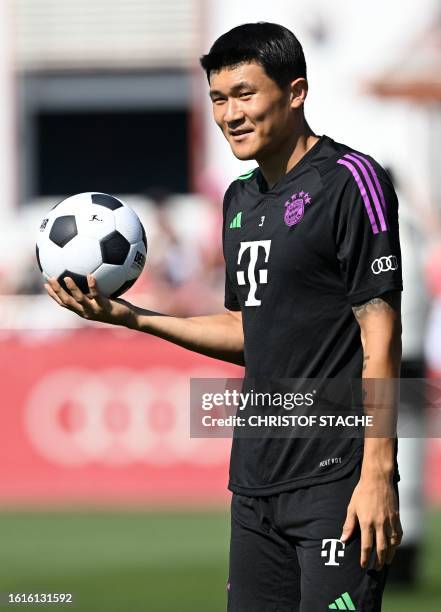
109	278
134	262
72	203
95	221
127	223
51	259
82	255
62	208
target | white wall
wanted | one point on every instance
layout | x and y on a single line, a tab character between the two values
7	118
363	40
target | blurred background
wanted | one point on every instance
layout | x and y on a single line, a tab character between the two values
107	95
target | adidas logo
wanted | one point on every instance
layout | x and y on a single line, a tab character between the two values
236	222
344	602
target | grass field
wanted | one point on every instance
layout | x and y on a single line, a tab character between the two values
149	562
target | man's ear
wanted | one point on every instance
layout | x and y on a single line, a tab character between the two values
299	91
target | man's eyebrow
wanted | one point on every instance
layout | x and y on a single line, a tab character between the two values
234	89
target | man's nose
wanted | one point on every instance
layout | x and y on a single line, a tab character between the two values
233	112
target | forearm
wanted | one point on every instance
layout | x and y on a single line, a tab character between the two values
374	504
380	328
219	335
381	397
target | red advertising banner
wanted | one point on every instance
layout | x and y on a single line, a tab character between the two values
432	475
101	416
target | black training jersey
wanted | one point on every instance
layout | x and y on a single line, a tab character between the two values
298	256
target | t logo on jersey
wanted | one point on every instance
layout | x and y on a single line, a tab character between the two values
332	551
251	271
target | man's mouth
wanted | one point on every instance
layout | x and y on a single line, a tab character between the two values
238	135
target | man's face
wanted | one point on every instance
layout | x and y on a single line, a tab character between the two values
254	114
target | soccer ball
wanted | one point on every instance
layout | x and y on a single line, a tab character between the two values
92	233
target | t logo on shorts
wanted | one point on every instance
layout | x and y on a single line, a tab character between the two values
335	549
251	271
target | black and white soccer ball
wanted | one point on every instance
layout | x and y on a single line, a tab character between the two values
92	233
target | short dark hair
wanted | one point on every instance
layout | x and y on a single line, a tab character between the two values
272	46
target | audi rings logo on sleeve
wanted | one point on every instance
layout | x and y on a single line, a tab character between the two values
384	264
116	417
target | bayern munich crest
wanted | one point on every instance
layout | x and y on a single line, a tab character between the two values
295	208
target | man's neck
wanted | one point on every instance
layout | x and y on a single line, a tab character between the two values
275	166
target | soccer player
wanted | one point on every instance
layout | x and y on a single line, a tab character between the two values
312	290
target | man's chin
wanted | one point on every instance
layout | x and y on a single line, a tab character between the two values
244	155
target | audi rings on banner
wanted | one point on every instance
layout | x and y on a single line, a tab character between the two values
118	416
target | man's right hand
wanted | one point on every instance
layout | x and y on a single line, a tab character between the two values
93	306
217	335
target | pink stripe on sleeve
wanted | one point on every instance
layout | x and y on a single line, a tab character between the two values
376	181
364	195
372	191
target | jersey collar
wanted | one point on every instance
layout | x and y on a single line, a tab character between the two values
309	155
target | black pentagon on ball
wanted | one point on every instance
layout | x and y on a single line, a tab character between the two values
144	238
79	279
63	230
103	199
114	249
37	254
124	287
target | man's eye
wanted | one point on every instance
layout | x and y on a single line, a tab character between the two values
218	100
246	94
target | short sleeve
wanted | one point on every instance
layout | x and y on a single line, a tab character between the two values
230	299
367	229
231	302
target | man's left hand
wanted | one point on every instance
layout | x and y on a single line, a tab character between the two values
374	505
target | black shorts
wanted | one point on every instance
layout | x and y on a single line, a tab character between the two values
285	553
